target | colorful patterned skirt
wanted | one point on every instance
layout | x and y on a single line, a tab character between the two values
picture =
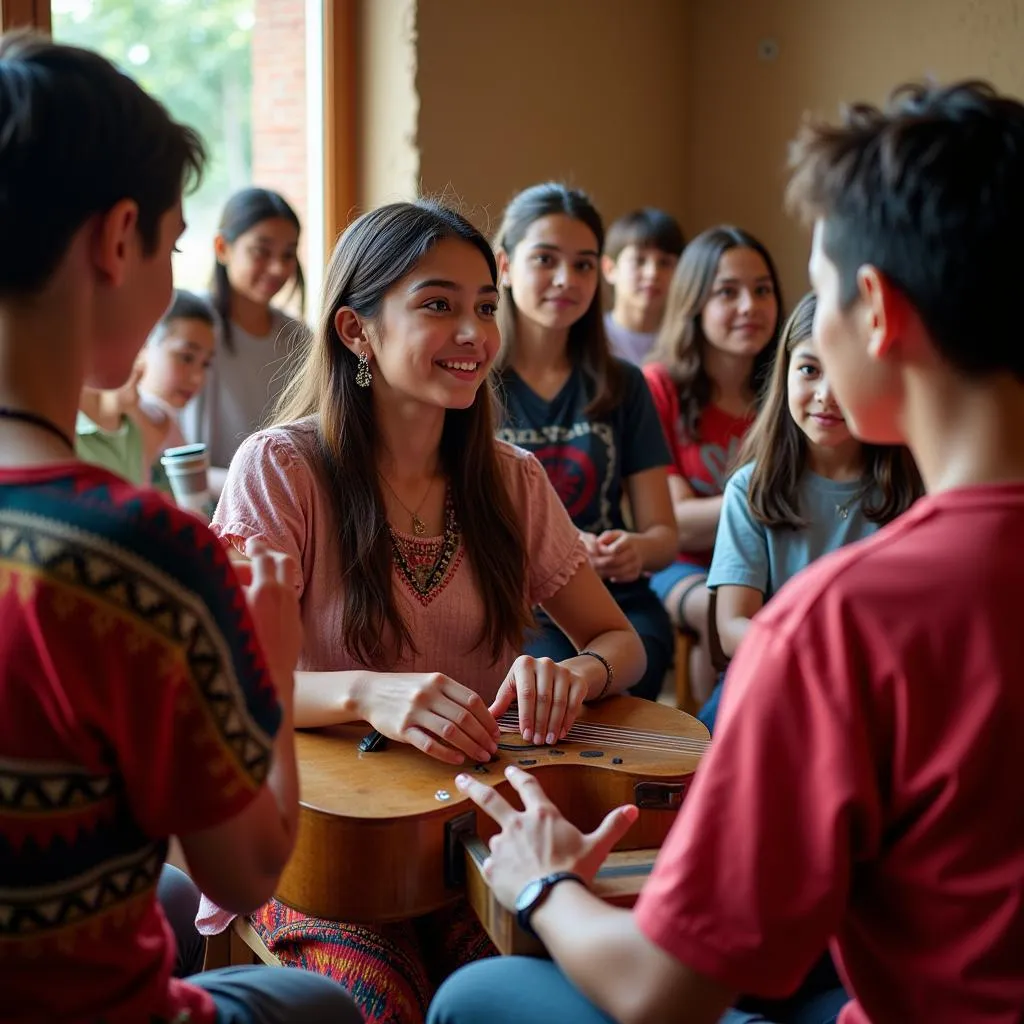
391	970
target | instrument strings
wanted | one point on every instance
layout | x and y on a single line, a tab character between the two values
595	733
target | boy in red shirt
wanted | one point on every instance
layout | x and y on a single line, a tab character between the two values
143	694
859	790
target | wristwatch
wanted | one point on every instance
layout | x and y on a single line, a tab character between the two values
534	893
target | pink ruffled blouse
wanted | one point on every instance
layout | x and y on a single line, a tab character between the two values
274	493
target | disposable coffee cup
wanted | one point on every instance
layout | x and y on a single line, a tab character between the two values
187	472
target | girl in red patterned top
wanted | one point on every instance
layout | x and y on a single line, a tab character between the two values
704	374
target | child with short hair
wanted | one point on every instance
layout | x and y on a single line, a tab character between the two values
174	364
142	693
641	251
859	789
127	428
109	429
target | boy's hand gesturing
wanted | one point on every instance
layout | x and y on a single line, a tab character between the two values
274	604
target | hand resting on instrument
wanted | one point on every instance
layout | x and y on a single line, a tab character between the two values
549	695
428	710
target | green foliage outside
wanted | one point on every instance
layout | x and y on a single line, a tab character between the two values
195	56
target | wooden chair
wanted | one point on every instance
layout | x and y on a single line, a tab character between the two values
239	945
684	692
685	640
719	659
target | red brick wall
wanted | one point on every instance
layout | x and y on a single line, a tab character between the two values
279	102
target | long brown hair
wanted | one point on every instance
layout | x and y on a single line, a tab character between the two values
375	252
681	341
588	345
778	449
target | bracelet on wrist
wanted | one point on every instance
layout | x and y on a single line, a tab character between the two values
609	675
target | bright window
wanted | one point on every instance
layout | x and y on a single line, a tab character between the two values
195	56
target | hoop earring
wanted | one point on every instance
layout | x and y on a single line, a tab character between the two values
363	375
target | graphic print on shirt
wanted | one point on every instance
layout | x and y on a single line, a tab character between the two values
581	462
717	461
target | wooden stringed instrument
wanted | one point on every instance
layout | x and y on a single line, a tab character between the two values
381	833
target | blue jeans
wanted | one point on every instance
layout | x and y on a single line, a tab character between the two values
522	990
709	712
646	615
247	995
664	580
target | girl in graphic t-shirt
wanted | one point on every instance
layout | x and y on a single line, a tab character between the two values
586	415
422	543
710	359
256	254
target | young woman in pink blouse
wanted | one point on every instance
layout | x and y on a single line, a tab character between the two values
422	543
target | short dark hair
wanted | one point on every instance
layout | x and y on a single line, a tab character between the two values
76	137
184	306
930	191
646	228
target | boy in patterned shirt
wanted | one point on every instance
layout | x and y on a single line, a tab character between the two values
143	693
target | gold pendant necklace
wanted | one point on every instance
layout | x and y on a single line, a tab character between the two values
419	528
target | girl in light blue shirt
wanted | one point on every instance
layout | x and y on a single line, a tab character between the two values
805	486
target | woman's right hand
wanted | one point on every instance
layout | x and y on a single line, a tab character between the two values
429	711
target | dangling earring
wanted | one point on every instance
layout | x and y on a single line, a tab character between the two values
363	375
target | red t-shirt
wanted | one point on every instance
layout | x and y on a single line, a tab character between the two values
705	461
860	786
134	705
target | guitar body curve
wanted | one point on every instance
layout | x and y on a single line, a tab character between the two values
374	838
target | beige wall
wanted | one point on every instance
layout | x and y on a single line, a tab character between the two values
744	110
387	102
513	92
661	102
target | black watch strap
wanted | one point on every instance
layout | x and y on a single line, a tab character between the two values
534	894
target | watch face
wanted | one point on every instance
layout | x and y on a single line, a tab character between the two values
529	894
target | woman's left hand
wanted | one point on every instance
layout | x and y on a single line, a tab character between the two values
549	695
618	558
